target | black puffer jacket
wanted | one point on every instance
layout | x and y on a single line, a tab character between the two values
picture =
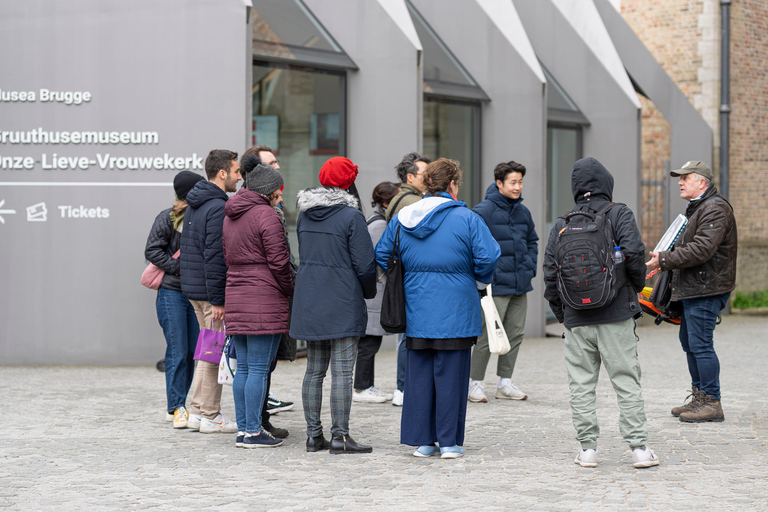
203	271
162	244
704	259
592	186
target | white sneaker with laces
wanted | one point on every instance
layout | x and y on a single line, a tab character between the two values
644	458
510	392
397	398
378	391
180	418
476	393
193	422
220	424
368	395
587	458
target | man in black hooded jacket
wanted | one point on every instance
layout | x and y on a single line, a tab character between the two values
605	334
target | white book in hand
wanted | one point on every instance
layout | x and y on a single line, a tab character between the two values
674	230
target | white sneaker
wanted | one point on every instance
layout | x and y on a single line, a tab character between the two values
193	422
510	392
644	458
220	424
397	398
169	417
388	396
587	458
476	393
368	395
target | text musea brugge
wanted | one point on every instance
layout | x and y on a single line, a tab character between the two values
103	161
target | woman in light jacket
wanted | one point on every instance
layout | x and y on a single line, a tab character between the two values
337	271
369	344
258	288
174	312
448	254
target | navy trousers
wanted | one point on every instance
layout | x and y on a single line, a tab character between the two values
435	397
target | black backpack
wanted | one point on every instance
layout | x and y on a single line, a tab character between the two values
587	277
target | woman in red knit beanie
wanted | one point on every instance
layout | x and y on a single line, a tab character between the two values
337	272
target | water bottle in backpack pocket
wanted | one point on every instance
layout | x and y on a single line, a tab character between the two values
589	264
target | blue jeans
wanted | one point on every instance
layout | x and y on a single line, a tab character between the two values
697	326
402	361
177	318
254	357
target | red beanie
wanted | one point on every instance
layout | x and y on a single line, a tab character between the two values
338	172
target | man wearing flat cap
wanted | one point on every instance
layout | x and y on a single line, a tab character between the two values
703	261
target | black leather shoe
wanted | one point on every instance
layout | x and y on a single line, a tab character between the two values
317	444
275	431
345	444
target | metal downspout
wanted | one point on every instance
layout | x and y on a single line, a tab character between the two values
725	91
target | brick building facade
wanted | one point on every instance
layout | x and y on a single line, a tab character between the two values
684	37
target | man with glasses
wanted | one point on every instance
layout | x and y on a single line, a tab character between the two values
703	262
410	172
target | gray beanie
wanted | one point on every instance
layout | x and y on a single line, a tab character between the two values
263	179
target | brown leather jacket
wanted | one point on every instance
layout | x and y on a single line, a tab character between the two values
704	256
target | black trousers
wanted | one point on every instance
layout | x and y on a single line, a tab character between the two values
366	352
264	413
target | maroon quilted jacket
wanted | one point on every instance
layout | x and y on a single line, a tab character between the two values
258	267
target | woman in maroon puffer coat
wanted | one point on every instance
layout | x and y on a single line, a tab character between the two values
258	287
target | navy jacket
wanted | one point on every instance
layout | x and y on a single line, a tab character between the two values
512	226
592	187
203	271
337	269
446	250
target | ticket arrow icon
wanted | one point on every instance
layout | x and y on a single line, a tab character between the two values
7	212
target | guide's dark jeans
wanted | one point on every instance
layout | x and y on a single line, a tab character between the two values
697	327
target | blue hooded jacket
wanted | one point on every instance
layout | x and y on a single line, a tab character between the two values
446	250
512	226
337	270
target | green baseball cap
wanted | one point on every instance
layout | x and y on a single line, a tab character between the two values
696	166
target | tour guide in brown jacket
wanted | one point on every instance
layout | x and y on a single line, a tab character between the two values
704	274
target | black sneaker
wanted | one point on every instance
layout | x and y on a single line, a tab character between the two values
275	405
239	439
261	440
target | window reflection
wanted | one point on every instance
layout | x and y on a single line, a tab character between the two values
298	113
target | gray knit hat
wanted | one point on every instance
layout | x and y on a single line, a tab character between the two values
264	179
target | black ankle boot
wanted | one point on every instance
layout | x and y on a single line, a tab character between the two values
345	444
316	444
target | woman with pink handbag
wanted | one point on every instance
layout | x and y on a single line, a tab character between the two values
174	312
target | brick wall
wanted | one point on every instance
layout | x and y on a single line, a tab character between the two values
683	36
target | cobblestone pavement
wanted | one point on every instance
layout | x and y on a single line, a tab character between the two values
76	438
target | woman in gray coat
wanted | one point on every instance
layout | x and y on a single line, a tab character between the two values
369	344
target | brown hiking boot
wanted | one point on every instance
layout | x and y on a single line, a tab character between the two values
708	409
695	398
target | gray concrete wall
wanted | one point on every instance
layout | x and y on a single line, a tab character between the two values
613	137
513	122
69	286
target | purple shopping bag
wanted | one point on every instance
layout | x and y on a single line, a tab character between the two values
210	344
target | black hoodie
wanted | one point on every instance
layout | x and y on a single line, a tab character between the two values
592	187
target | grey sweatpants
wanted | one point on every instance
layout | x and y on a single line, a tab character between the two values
616	346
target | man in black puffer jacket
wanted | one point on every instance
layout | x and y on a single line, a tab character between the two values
204	277
605	334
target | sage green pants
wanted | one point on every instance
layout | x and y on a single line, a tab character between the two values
616	346
512	310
